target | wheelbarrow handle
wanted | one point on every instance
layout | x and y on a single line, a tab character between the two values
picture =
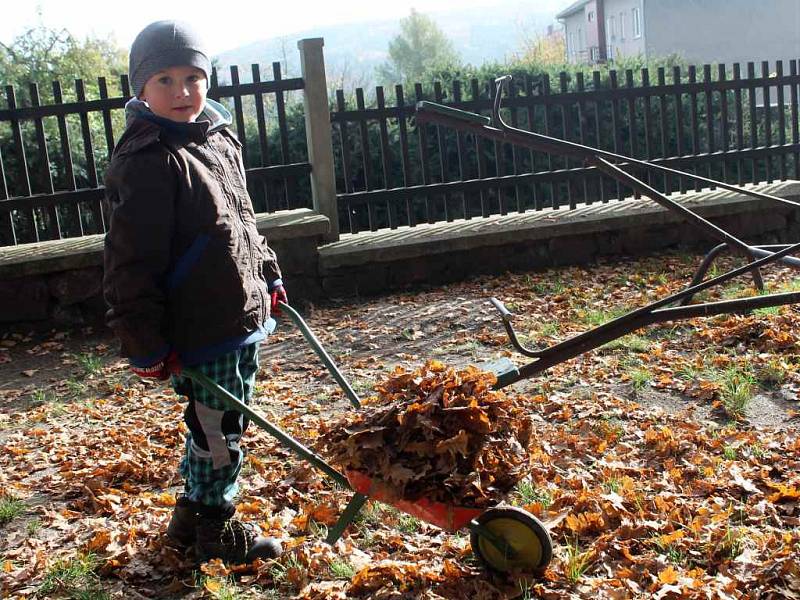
316	345
233	403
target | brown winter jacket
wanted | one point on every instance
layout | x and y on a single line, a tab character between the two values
185	266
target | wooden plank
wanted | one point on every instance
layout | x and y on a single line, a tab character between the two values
461	149
108	126
22	161
512	90
531	112
648	120
566	132
615	124
554	201
751	99
66	157
767	117
239	115
598	111
722	76
676	82
781	120
386	157
441	145
404	153
283	129
662	114
424	155
8	235
261	124
95	209
498	159
737	103
794	118
481	157
366	159
694	123
346	174
49	219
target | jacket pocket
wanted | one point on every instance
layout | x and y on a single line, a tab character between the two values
184	264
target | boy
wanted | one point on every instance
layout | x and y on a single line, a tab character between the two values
188	278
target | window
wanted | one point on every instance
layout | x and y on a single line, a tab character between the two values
581	40
590	16
622	26
611	33
637	24
571	43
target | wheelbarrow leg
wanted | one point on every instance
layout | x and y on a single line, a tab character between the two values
347	517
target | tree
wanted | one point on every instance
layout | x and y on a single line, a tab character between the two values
419	48
42	55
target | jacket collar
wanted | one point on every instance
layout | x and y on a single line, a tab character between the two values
143	127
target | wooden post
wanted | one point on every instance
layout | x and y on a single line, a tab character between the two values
318	132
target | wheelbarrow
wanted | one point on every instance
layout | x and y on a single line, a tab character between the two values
504	538
672	308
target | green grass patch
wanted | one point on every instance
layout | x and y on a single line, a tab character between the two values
576	562
74	578
10	508
737	388
629	343
527	493
639	377
90	363
341	569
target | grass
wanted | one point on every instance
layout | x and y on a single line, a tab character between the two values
528	493
33	527
546	288
639	377
575	562
281	568
10	508
220	588
737	388
341	569
90	363
772	374
408	523
674	554
74	578
596	317
612	484
629	343
729	452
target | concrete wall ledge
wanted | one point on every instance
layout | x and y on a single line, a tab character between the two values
424	240
78	253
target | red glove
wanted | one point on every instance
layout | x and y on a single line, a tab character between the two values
277	294
171	365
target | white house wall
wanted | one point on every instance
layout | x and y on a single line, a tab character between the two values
728	31
622	41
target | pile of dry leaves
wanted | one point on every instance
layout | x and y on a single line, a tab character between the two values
436	433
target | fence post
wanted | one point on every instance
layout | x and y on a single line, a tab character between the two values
318	132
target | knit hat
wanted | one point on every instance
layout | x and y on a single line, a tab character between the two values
165	44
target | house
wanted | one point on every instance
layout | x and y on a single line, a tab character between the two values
701	31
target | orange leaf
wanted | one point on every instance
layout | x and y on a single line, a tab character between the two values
668	576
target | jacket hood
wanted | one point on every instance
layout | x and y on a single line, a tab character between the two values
214	113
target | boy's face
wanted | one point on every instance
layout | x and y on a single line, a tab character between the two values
176	93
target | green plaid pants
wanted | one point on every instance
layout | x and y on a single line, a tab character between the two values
213	458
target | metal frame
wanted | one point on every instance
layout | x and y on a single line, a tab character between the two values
495	128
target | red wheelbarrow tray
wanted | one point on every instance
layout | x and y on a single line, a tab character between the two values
449	517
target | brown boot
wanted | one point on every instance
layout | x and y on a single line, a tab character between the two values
183	524
219	535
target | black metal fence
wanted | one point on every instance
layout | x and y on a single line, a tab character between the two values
721	124
53	156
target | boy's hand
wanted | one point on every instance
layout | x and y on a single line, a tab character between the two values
162	370
277	293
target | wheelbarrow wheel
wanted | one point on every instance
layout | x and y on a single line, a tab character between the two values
524	533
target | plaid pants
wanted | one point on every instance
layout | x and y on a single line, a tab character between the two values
213	458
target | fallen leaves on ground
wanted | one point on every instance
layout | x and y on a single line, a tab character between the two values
649	488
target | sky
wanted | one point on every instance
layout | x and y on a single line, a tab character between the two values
243	21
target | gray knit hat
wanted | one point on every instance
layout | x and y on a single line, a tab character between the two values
165	44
